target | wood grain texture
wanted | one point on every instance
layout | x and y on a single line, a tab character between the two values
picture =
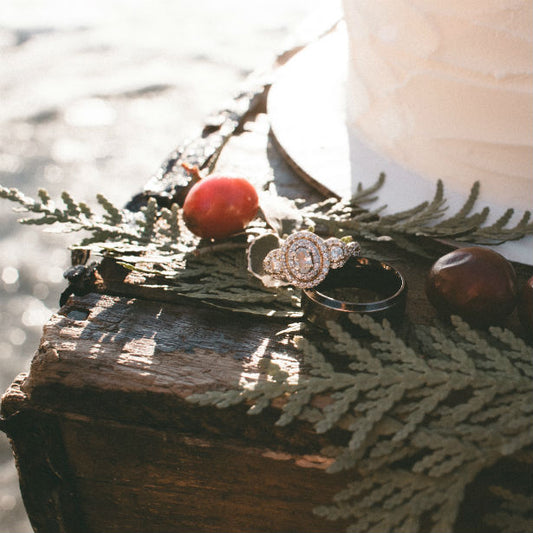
113	373
163	481
114	343
47	485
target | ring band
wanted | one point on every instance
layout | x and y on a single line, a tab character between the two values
305	259
381	287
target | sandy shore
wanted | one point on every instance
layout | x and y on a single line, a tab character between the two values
93	96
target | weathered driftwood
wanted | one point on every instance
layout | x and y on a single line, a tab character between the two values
106	441
113	446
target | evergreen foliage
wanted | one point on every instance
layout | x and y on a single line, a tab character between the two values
428	219
421	422
156	243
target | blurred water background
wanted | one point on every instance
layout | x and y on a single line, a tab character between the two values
93	96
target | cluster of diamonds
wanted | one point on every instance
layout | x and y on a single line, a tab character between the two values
305	259
272	263
340	251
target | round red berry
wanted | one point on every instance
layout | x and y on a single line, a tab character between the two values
219	206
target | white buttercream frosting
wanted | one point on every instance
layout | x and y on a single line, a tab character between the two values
445	88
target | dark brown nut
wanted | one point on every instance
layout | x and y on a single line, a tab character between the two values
525	306
475	283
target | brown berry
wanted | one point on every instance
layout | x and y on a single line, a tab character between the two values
475	283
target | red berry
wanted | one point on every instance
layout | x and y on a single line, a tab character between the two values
219	206
475	283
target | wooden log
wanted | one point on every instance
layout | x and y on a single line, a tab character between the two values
107	393
106	441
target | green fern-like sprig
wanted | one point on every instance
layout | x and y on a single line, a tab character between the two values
415	450
424	220
150	218
113	214
515	512
172	230
154	242
72	217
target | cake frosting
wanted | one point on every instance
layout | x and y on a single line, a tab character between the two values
445	90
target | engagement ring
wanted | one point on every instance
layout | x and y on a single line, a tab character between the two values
305	259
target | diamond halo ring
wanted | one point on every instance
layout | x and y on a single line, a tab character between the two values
305	259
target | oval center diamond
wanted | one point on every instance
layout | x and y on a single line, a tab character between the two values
304	260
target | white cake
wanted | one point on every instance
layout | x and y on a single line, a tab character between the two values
444	89
421	90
